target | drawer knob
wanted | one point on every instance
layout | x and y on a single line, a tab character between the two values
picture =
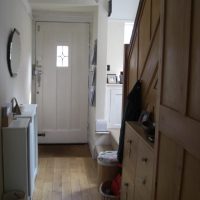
126	184
144	160
126	191
129	141
144	181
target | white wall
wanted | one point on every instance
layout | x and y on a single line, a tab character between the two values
115	46
101	61
15	13
100	33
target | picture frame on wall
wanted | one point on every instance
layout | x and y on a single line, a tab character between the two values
111	78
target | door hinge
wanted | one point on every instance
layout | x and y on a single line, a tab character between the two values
88	126
38	28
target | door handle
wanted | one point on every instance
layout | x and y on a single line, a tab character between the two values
39	79
37	69
38	72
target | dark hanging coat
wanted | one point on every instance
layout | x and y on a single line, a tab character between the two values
131	113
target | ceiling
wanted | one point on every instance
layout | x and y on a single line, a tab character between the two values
121	9
64	5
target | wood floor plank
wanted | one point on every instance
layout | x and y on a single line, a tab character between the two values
47	191
66	185
66	174
75	185
85	187
57	180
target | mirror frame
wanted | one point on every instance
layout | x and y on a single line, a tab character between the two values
10	40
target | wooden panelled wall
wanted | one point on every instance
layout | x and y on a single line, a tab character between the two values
143	55
165	54
178	172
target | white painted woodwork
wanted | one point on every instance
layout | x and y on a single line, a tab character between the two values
62	93
29	111
16	157
113	108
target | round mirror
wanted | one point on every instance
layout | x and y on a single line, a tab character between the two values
13	52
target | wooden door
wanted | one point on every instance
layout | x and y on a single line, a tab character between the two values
62	54
178	175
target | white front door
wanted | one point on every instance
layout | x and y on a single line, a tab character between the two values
62	57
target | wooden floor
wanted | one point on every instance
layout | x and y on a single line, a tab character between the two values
66	172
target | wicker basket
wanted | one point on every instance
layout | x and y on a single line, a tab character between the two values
14	195
105	191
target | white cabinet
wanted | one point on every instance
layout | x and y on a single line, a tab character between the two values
21	157
30	111
113	109
16	157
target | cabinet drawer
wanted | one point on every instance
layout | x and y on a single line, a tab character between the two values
127	188
144	175
130	152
